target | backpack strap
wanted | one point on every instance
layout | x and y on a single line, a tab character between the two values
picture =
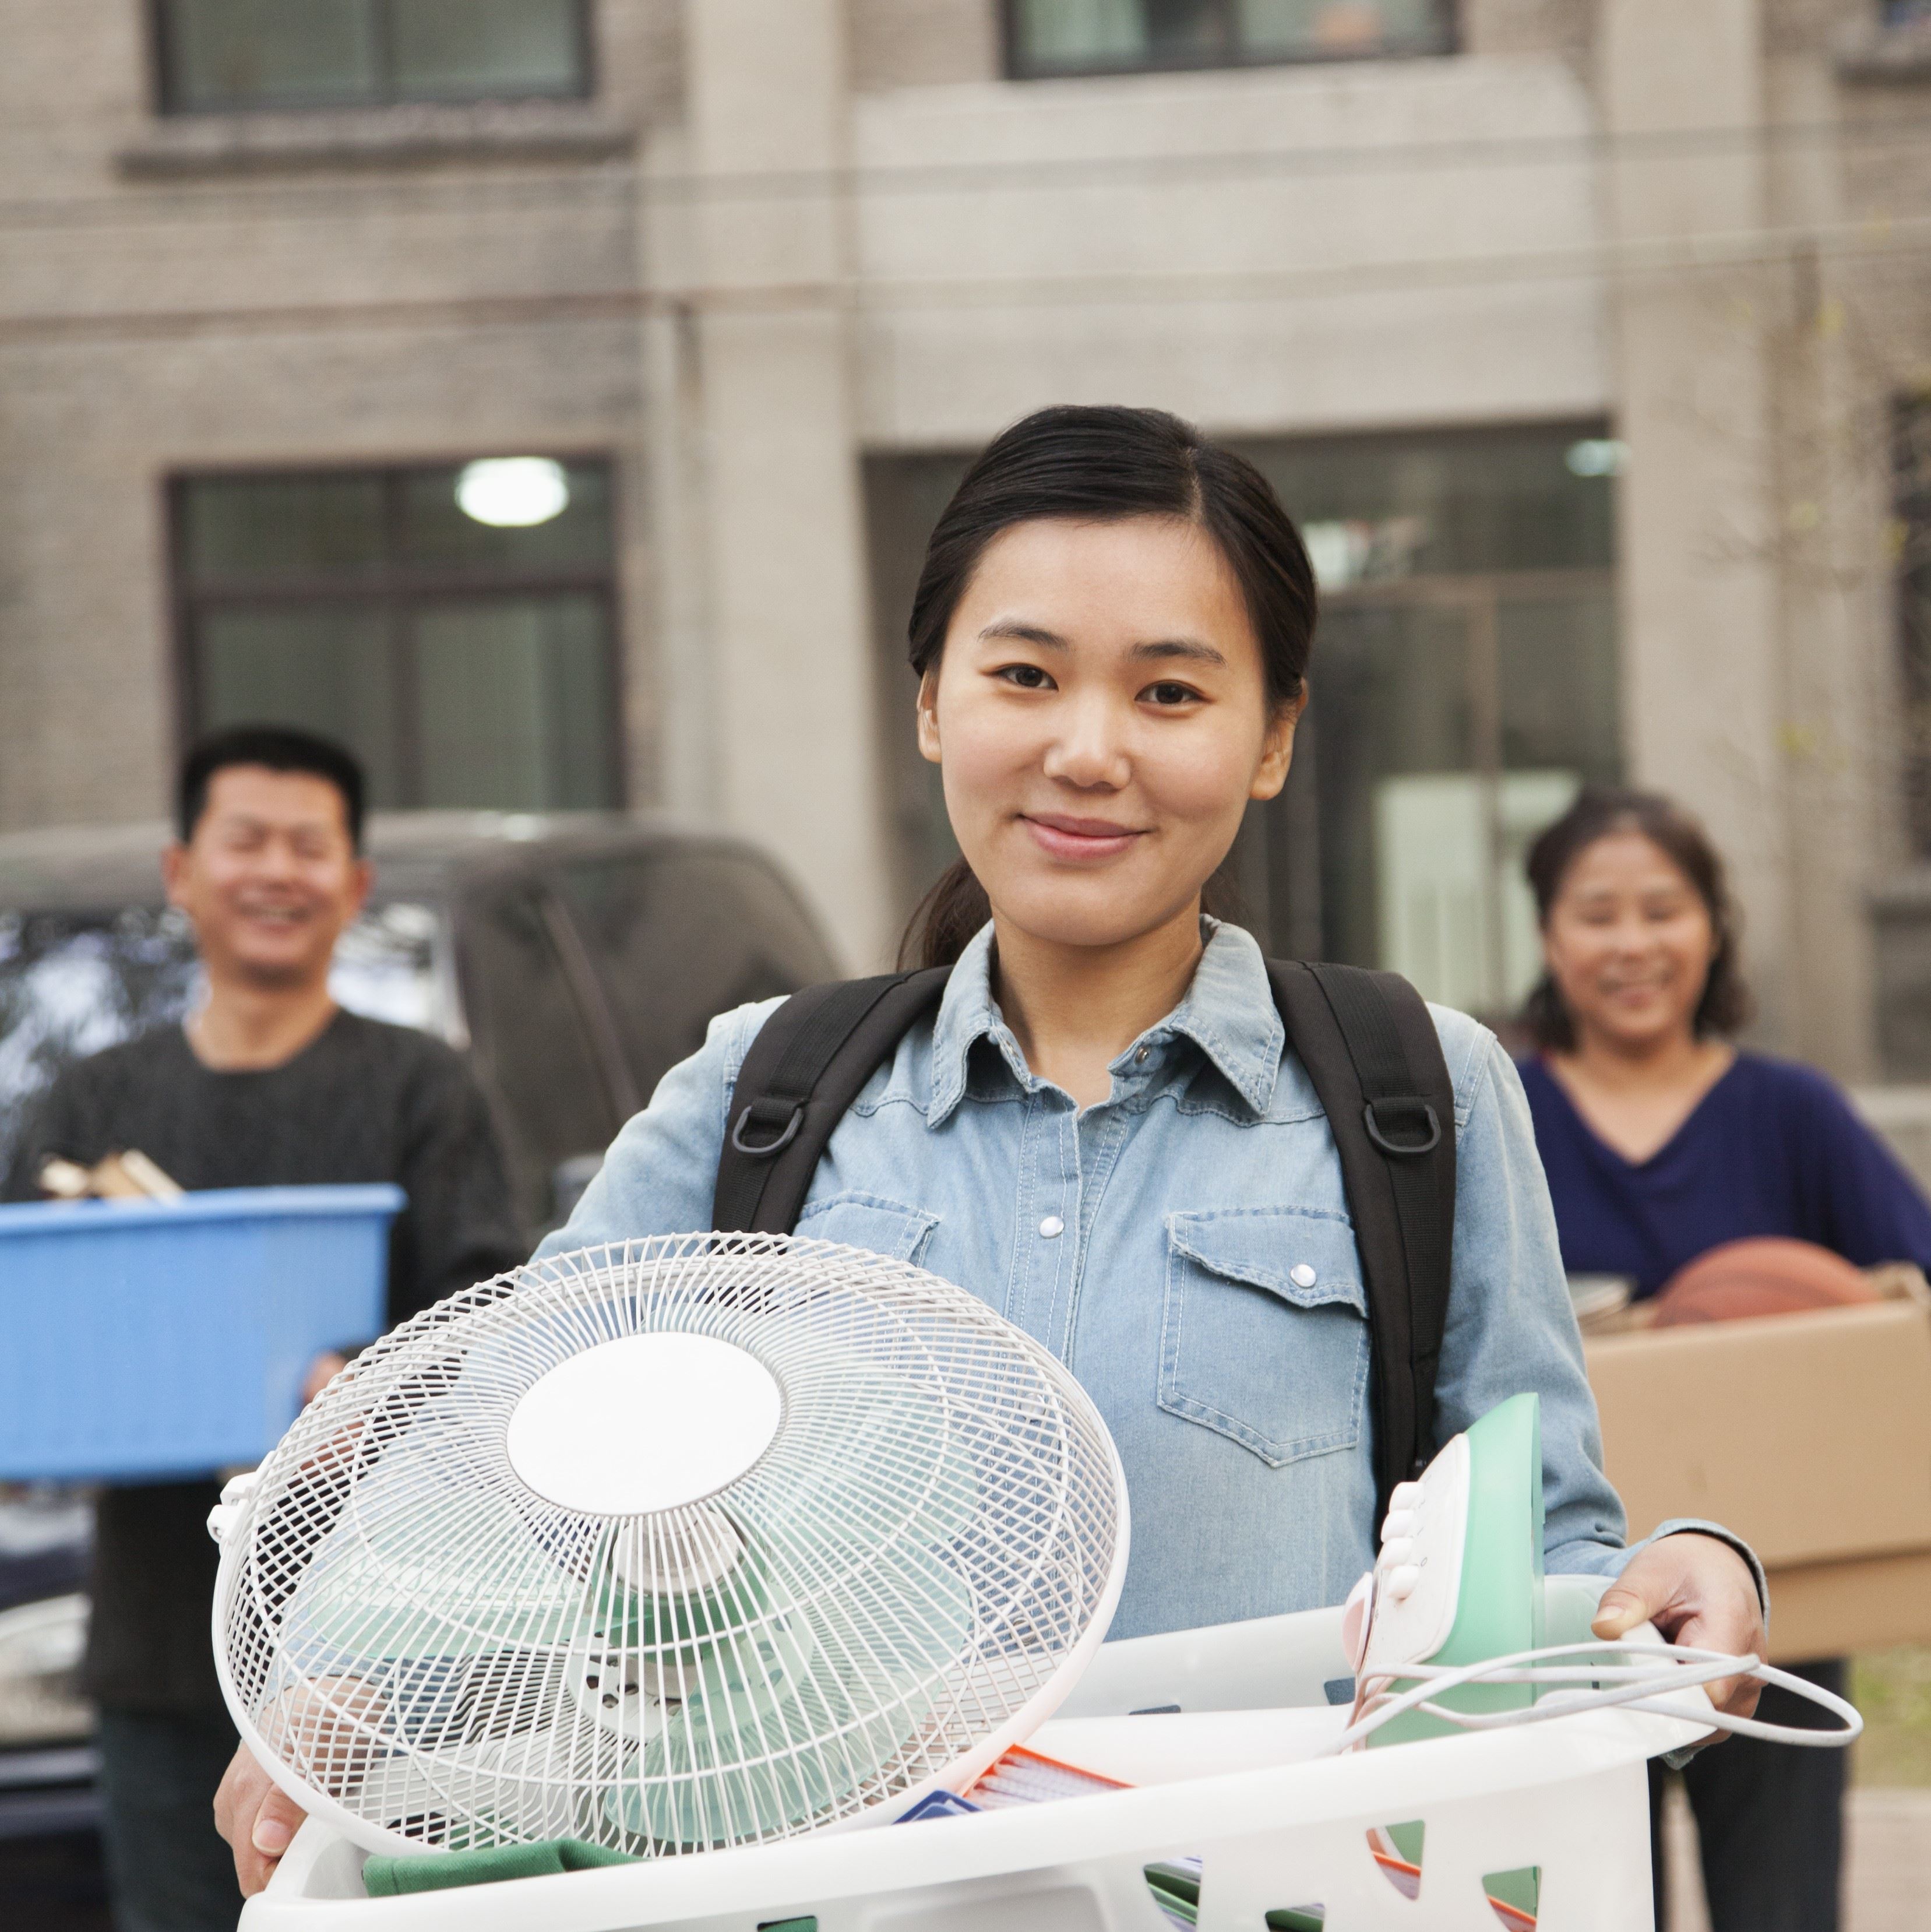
803	1071
1374	1058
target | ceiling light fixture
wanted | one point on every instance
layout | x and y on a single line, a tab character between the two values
512	492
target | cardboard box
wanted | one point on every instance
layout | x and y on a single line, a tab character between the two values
1808	1435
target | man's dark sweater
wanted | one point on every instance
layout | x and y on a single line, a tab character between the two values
363	1102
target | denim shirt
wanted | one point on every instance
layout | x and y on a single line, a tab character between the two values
1184	1247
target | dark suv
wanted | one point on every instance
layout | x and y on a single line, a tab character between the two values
574	958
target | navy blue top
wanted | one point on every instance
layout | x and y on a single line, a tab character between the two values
1773	1148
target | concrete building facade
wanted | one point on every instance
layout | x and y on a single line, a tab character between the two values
782	265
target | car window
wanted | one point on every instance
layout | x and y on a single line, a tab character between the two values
680	936
385	967
73	983
532	1048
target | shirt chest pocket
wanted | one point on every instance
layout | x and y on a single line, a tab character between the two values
869	1221
1265	1332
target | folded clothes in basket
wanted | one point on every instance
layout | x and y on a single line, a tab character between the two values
388	1878
1021	1777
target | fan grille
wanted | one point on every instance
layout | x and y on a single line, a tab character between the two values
440	1655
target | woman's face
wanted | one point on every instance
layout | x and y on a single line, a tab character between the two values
1629	942
1101	717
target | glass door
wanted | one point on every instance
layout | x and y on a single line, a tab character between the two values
1449	721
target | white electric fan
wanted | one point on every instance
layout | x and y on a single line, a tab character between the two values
699	1541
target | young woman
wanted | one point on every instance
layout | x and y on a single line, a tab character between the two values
1101	1131
1662	1141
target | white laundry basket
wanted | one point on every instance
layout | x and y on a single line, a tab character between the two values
1232	1779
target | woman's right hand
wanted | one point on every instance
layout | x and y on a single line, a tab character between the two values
257	1818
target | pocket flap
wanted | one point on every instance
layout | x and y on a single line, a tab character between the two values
1304	1258
869	1221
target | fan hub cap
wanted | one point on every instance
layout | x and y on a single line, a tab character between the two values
645	1422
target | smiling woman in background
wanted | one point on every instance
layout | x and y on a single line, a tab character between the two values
1662	1141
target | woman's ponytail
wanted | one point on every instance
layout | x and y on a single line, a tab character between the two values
948	915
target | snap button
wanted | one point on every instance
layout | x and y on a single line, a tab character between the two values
1140	1054
1302	1276
1052	1226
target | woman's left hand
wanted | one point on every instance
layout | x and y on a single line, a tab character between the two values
1696	1591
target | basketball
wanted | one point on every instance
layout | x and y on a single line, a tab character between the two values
1765	1275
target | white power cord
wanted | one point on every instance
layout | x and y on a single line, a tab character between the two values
1636	1687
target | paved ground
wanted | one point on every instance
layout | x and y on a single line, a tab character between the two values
52	1885
1887	1888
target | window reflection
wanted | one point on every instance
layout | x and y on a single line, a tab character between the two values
231	54
1096	36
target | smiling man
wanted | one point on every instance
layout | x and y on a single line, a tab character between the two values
269	1083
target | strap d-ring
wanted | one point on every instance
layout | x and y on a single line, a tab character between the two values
764	1149
1404	1150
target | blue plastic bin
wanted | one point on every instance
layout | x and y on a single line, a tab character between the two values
140	1339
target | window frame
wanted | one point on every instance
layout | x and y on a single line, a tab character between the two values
395	589
163	82
1236	58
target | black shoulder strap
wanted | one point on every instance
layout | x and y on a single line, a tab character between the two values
804	1069
1375	1061
1369	1048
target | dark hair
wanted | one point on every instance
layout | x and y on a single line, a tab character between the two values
1599	812
1100	465
281	749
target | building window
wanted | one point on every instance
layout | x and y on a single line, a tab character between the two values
1046	37
224	56
454	625
1464	685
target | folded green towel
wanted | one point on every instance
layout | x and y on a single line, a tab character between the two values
388	1878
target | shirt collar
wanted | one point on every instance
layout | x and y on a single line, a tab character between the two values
1228	1012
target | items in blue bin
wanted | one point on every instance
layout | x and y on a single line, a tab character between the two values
128	1176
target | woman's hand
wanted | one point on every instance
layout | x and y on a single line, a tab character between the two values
257	1818
1696	1590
